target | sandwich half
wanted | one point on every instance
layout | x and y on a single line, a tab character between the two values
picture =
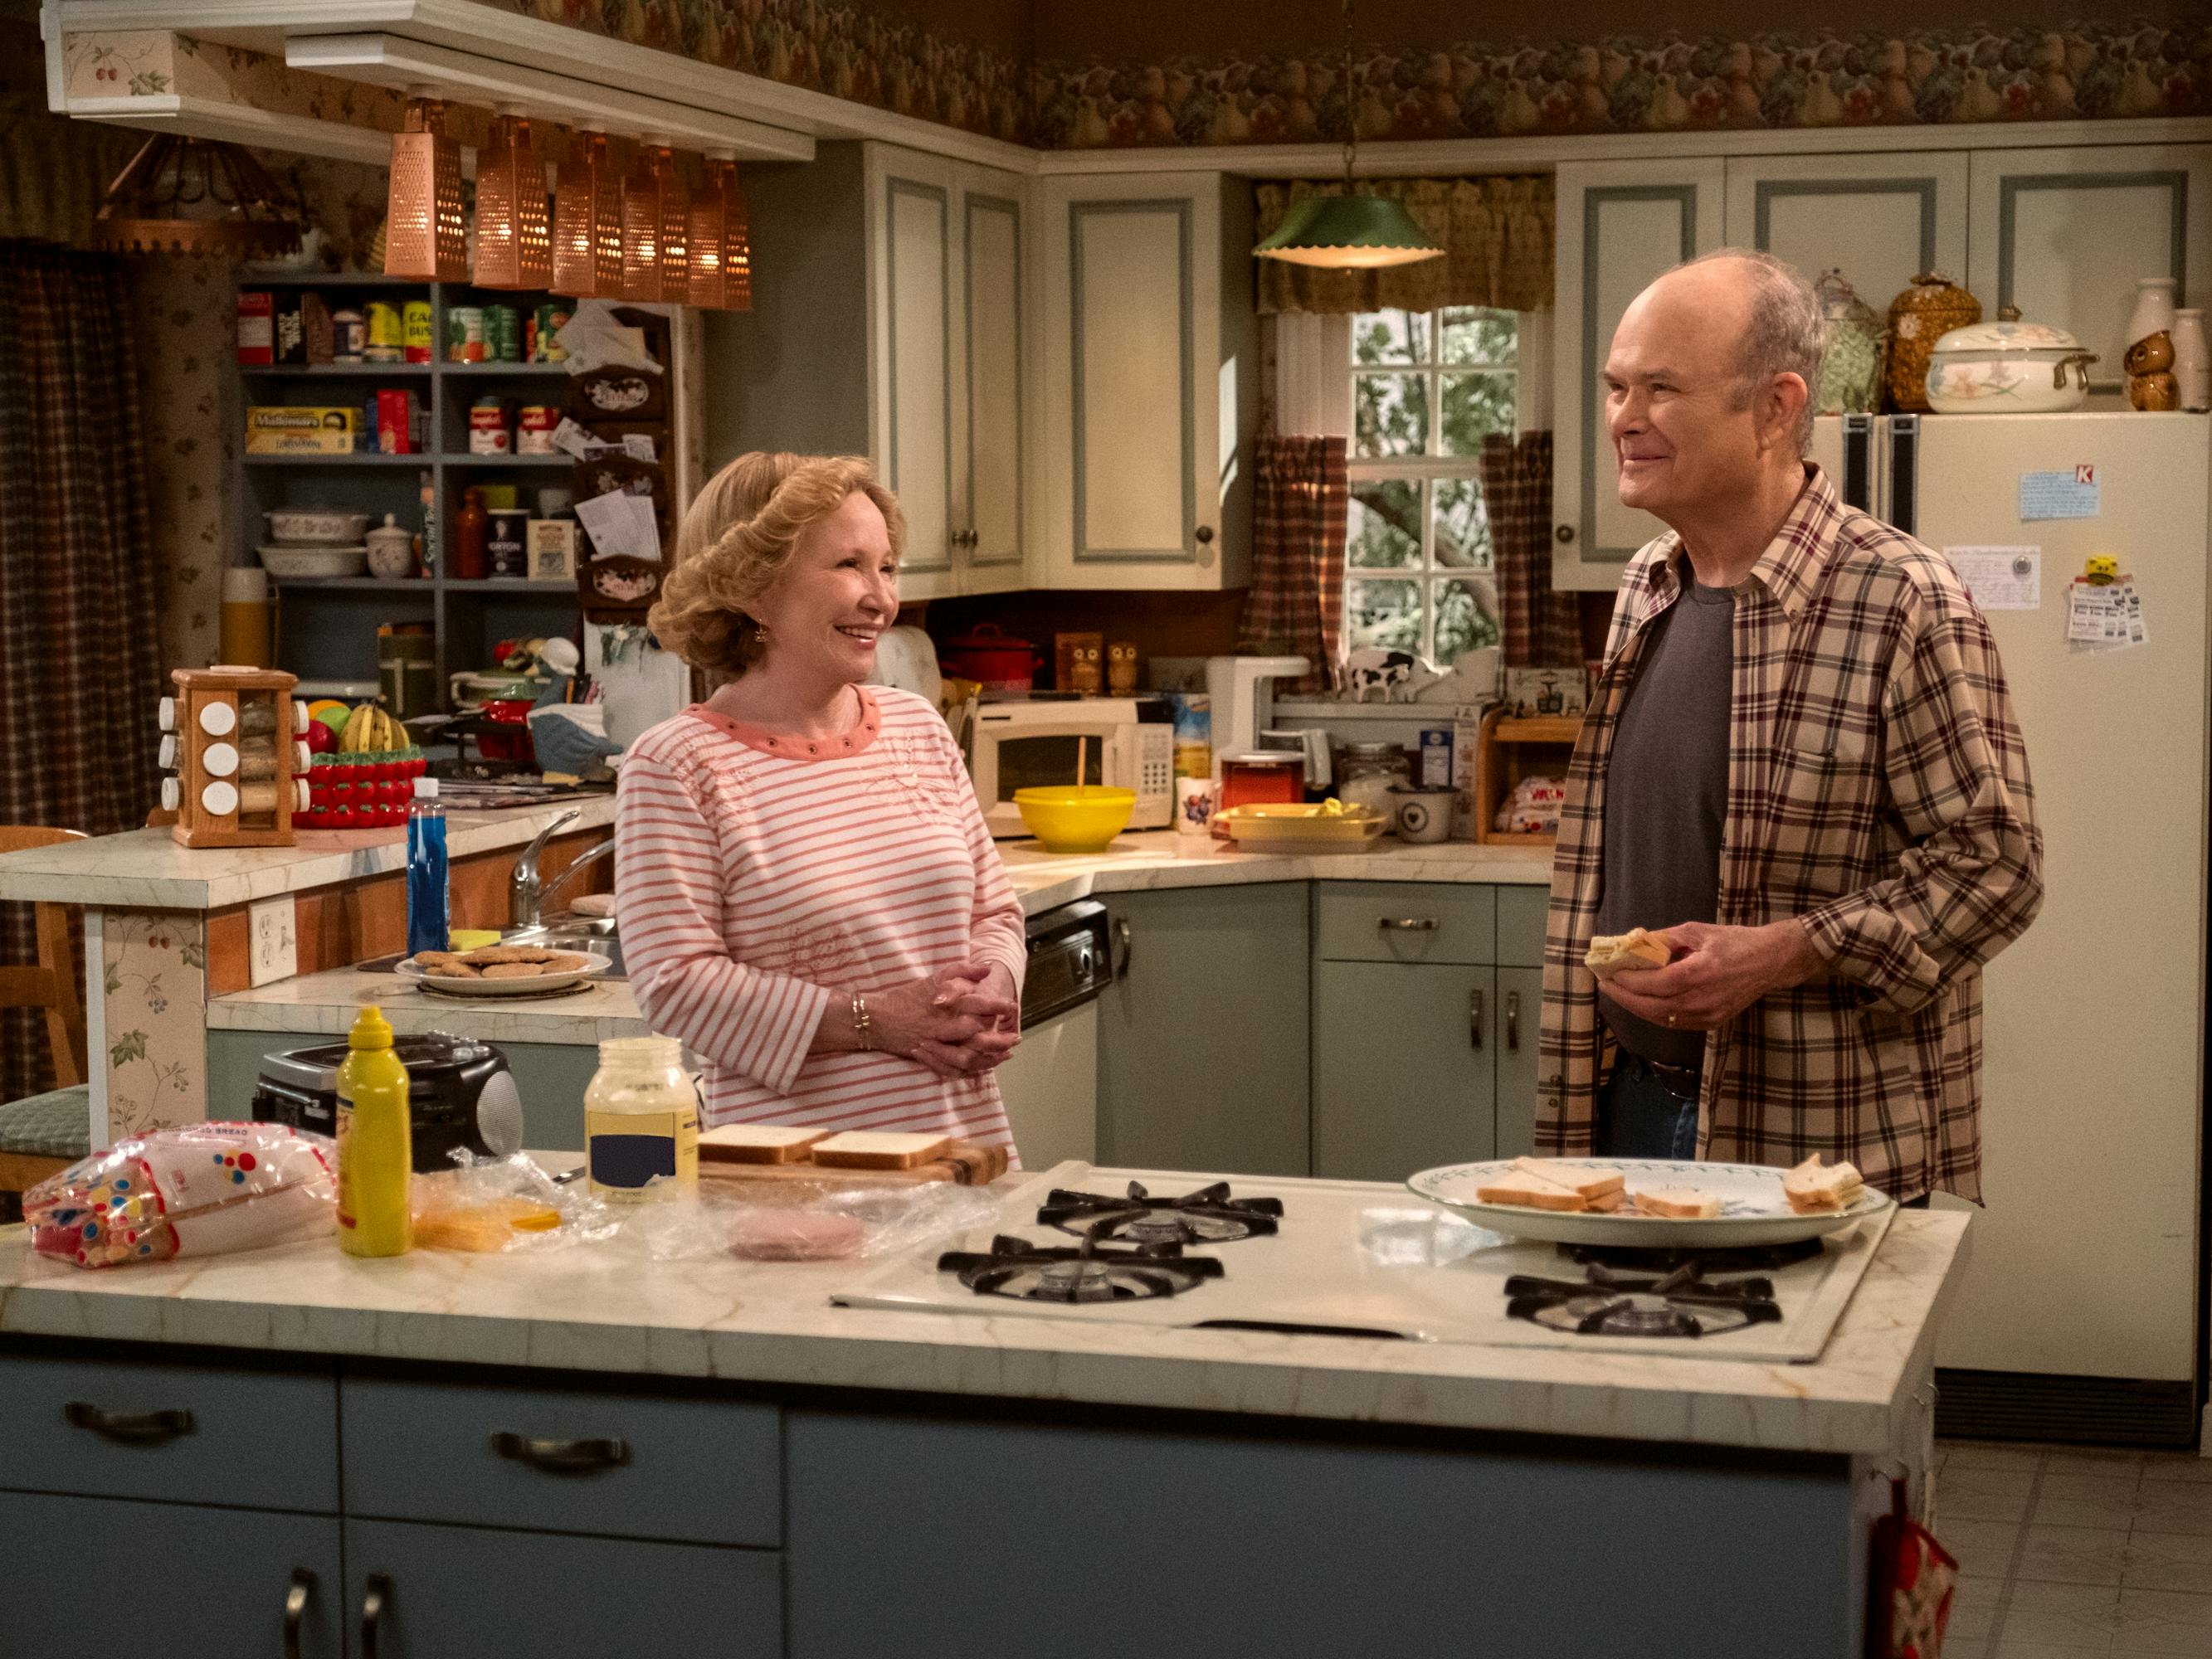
1530	1193
1812	1187
1592	1184
1609	953
1681	1203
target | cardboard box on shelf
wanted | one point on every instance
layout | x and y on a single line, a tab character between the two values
301	430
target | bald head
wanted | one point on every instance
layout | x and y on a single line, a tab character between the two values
1772	313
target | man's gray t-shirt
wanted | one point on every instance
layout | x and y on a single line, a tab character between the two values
1666	795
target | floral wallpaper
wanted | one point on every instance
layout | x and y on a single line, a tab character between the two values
1662	83
156	996
186	318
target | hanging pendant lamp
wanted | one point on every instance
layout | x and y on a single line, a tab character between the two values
721	246
514	237
1353	231
587	239
427	235
196	196
655	209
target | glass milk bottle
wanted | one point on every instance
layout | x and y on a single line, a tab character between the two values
642	1120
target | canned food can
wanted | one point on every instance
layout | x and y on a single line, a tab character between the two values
415	330
385	343
348	336
547	321
533	429
502	334
488	431
465	334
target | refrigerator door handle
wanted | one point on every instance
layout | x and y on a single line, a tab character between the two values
1902	504
1857	481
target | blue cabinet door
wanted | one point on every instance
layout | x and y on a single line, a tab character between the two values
181	1580
415	1591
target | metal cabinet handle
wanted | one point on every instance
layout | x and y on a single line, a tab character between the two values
1475	1020
1512	1022
1406	924
372	1612
128	1428
562	1456
1123	937
295	1609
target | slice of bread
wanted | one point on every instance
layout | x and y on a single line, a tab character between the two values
759	1143
1682	1203
862	1149
1609	953
1530	1193
1608	1203
1592	1184
1814	1187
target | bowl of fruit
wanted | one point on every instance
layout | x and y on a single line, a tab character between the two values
363	771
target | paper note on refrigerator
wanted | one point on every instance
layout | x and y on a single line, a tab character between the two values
2071	495
2000	578
2107	618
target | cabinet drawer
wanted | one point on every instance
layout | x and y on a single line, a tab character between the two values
701	1470
181	1433
1521	912
1406	921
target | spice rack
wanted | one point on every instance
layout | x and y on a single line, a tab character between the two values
234	738
1509	748
325	627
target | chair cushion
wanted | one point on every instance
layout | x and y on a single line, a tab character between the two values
57	1124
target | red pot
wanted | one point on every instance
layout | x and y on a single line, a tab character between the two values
513	746
987	655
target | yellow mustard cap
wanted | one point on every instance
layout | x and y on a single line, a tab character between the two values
370	1029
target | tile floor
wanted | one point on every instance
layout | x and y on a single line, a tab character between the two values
2070	1553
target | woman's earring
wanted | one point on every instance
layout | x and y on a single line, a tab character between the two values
760	632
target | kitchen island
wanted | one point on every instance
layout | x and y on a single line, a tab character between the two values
584	1451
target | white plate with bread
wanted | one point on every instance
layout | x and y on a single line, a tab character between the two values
1659	1203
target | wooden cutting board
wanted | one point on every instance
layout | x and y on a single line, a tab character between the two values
965	1164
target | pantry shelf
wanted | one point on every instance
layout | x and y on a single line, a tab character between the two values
357	459
349	371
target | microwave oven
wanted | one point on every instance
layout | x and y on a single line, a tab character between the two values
1026	744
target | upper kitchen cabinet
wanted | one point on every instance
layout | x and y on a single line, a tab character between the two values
1880	218
887	320
1148	345
1620	224
2065	233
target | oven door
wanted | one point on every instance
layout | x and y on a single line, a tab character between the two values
1025	757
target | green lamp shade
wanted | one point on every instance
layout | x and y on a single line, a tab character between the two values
1348	233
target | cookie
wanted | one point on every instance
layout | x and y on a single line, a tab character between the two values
566	962
494	955
427	959
513	971
450	970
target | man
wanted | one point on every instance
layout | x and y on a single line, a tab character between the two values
1800	761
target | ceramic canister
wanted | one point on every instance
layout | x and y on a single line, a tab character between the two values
2193	361
1424	814
2153	311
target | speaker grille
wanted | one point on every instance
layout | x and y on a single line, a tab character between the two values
2090	1410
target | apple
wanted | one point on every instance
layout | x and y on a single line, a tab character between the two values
321	740
334	720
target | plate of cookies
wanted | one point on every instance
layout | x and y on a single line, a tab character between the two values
500	971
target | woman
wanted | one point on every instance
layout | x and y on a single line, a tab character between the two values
809	897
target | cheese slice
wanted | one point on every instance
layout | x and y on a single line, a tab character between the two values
759	1143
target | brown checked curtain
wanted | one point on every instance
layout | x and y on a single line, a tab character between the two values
1542	629
1497	235
80	658
1296	604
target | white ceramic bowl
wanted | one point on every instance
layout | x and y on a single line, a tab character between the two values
308	526
298	561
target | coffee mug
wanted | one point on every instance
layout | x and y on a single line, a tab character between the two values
1424	815
1194	806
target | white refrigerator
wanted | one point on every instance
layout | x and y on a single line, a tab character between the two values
2085	1263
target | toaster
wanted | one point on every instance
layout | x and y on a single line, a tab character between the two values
460	1094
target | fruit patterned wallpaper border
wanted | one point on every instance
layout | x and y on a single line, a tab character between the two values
1660	83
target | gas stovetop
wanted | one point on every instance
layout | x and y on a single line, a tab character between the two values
1359	1259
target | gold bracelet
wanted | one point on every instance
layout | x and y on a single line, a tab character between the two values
860	1021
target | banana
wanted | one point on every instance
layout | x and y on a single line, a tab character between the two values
387	732
356	730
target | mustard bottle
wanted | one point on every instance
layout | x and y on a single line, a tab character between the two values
376	1154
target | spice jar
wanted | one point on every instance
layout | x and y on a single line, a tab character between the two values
1920	316
1369	772
641	1120
1850	380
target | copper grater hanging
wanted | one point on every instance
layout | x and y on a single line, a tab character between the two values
588	221
515	235
722	241
426	236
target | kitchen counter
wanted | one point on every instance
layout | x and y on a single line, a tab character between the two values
608	1309
147	870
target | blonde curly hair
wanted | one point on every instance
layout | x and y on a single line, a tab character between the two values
735	541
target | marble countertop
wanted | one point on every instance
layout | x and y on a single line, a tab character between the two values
1155	860
609	1308
147	870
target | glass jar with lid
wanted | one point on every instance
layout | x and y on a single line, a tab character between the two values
640	1119
1368	772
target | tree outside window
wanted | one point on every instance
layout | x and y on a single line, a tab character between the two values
1426	388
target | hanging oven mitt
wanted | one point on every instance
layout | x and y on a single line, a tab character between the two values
1913	1578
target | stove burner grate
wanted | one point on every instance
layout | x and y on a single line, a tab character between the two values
1681	1302
1208	1216
1089	1273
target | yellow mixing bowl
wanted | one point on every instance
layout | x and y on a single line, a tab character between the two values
1075	817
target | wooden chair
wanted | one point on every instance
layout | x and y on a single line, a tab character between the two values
51	984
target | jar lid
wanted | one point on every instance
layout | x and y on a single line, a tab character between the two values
2008	336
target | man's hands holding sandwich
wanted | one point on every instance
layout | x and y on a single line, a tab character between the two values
1715	973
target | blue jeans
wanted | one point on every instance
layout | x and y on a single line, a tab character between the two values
1639	1116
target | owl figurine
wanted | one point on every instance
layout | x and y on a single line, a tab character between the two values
1121	668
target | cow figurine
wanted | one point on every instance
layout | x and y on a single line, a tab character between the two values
1397	674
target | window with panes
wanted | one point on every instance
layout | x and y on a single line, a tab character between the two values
1426	388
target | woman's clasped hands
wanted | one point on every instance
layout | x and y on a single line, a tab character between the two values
960	1021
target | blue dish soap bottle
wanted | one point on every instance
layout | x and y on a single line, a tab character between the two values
430	899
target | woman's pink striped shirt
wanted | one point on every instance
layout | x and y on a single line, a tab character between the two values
762	878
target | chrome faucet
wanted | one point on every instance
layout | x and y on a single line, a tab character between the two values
525	894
